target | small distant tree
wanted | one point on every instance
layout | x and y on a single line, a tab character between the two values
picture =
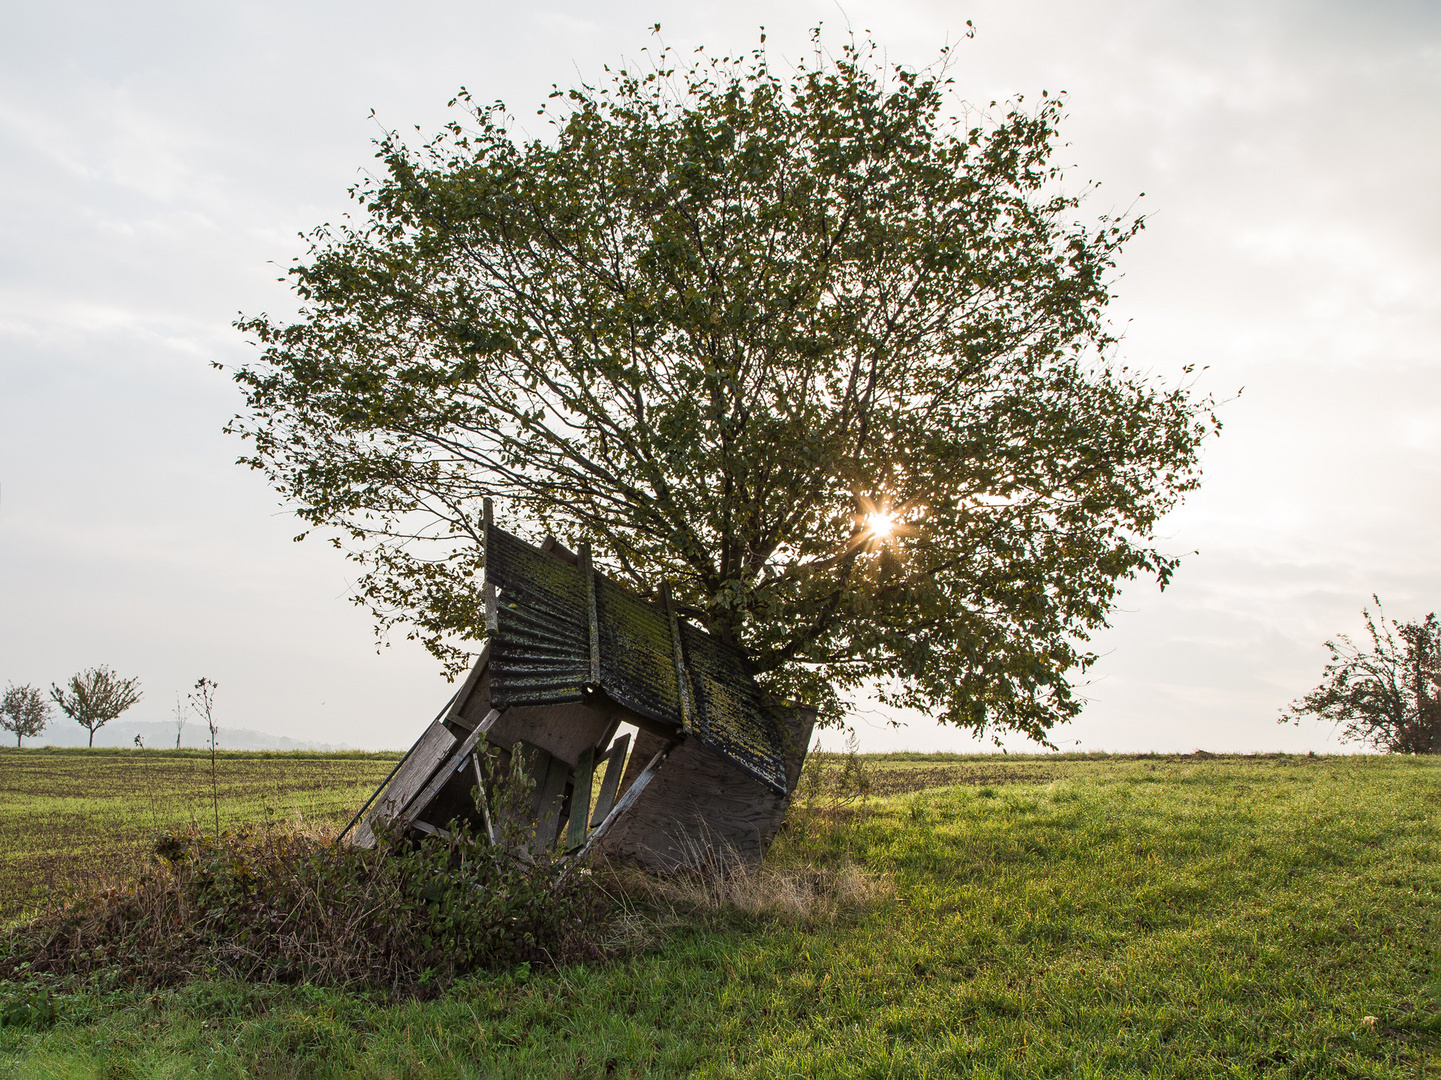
1388	696
180	718
24	712
95	697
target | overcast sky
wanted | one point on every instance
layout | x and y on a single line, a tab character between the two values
157	162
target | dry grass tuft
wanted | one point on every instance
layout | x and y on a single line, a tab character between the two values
715	881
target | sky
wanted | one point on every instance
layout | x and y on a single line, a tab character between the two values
158	163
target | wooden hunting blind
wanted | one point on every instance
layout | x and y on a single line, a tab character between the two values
571	655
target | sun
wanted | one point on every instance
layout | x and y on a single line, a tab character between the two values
881	525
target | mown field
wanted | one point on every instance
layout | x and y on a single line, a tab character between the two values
71	813
1056	916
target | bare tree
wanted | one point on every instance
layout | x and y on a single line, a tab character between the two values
24	712
180	712
1389	696
95	697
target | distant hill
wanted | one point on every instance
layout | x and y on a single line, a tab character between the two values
159	735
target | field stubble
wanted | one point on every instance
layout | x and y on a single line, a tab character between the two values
74	815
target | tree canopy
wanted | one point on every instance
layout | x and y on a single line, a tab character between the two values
829	361
1387	696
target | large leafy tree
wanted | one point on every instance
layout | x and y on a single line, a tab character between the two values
1387	695
829	361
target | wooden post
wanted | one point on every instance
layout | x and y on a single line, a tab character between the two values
481	797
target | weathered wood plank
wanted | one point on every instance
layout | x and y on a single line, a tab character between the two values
551	793
615	763
580	799
453	764
563	730
414	771
701	801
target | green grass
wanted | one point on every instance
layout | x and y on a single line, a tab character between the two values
68	813
1059	916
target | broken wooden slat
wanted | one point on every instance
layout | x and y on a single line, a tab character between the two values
453	764
626	801
580	799
417	767
480	798
615	764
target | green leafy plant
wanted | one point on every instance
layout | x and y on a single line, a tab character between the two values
31	1008
830	361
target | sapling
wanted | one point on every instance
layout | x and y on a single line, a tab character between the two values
202	700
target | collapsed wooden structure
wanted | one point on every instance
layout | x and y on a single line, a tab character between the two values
571	656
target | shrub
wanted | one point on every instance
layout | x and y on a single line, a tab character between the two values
285	904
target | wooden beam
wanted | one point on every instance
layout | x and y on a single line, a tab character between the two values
457	703
682	678
614	767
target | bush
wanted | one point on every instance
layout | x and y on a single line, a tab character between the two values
285	904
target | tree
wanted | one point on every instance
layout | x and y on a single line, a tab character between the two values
1388	696
24	712
180	718
95	697
831	364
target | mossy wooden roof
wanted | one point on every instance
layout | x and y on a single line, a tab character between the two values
565	632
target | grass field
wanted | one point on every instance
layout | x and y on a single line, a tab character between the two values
71	812
1057	916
